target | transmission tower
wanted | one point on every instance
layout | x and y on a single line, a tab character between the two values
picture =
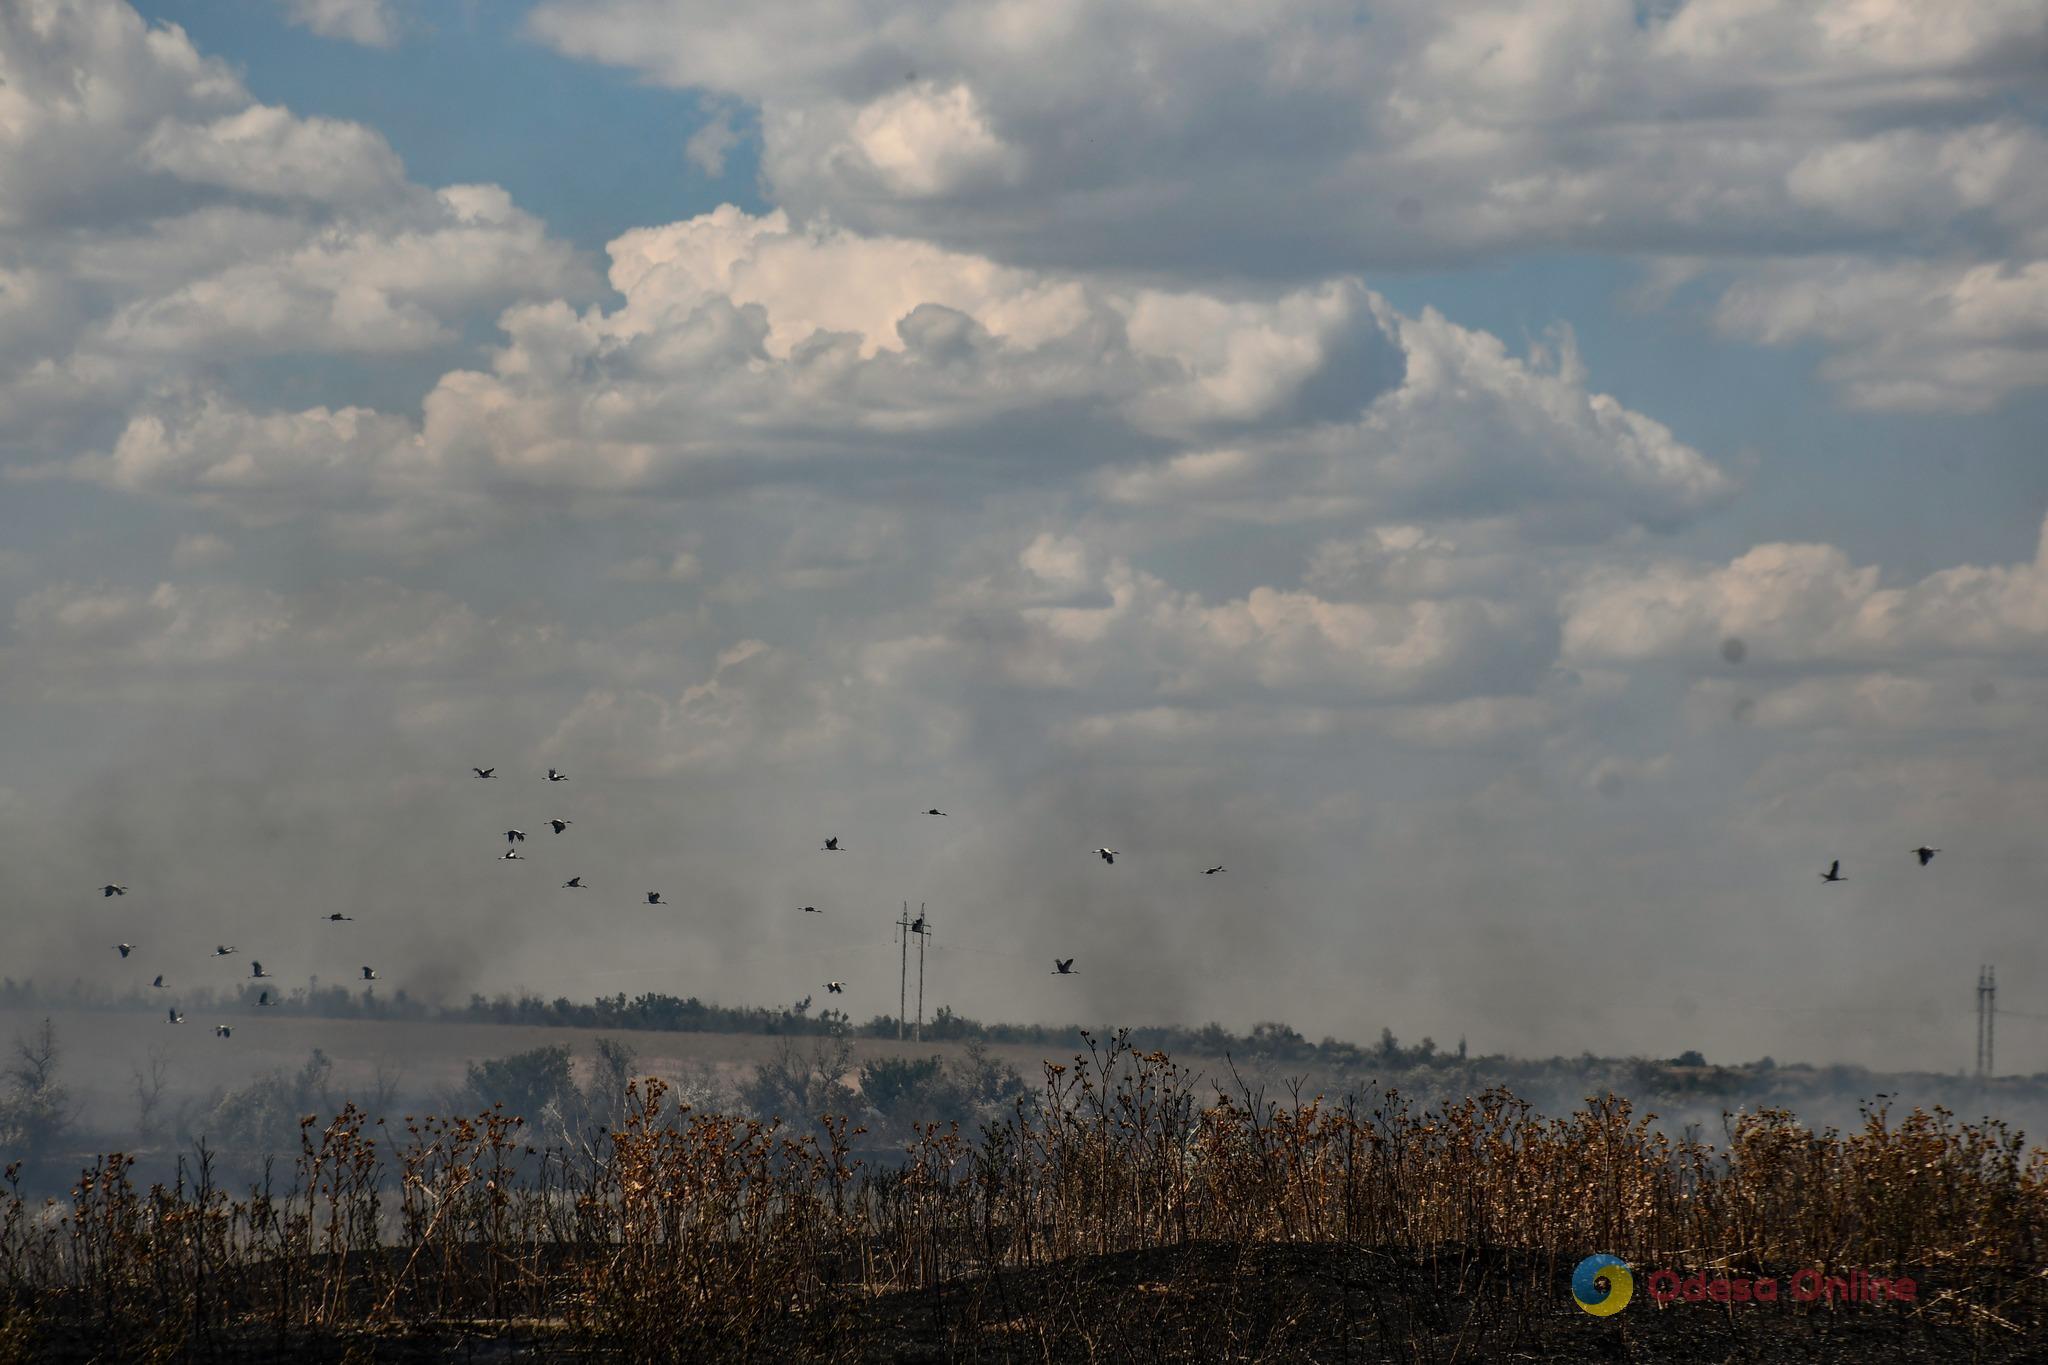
903	969
918	927
1987	1017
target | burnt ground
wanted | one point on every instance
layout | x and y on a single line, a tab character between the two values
1291	1302
1213	1301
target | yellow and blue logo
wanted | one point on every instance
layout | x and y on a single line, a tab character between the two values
1602	1285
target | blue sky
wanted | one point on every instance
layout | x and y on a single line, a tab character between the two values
1340	452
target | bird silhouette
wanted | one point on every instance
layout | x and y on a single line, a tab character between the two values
1062	966
935	811
1925	854
264	999
559	825
554	776
1834	872
654	898
573	884
223	949
835	988
515	836
369	973
220	1030
917	925
338	918
1108	855
808	910
256	972
832	845
485	772
158	983
176	1017
512	855
124	949
1214	870
112	890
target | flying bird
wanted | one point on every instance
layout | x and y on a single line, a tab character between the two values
835	988
515	836
1108	855
338	918
808	910
1062	966
832	845
1214	870
264	999
573	884
158	983
1834	872
256	972
935	811
112	890
485	772
560	825
512	856
1926	854
554	776
369	973
917	925
654	898
223	949
220	1030
176	1017
124	949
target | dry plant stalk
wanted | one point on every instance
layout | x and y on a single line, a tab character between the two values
687	1234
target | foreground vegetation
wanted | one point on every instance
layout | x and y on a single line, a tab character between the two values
1122	1210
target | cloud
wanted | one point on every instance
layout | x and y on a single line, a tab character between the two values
759	705
65	630
1149	641
1906	336
162	227
1315	140
1807	604
1705	124
369	22
265	150
708	146
198	550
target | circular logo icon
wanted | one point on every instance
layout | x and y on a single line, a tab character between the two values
1602	1285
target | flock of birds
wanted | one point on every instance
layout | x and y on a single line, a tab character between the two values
1834	872
1061	966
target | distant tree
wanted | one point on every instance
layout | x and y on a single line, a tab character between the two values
528	1084
262	1118
604	1099
35	1114
1689	1057
1275	1039
799	1085
150	1080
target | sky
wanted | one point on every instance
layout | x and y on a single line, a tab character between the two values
1522	486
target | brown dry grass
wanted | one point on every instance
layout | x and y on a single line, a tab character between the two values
686	1235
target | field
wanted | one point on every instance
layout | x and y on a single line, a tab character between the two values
1121	1209
427	1061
